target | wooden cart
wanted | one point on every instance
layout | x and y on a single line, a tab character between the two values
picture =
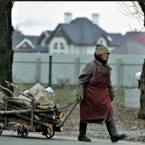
15	114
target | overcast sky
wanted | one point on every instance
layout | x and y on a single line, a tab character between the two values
34	17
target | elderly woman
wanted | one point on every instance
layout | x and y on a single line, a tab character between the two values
95	94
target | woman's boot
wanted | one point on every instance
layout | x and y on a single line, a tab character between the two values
82	129
110	124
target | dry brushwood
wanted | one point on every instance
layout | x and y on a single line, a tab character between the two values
25	109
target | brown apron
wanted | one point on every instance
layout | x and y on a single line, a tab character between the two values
96	104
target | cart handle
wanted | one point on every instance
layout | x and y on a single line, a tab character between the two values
70	111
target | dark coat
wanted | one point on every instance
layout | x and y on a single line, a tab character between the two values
94	85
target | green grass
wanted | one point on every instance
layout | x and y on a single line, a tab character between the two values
119	98
67	94
62	95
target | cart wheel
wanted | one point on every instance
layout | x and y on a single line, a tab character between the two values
22	131
1	129
48	132
50	135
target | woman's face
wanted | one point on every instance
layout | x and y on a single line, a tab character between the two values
104	57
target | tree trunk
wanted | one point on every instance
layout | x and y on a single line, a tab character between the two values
6	52
141	113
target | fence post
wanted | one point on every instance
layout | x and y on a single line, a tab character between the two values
118	73
50	70
38	72
77	67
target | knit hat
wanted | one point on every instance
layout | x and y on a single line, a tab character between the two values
101	49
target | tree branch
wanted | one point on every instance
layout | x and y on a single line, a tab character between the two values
142	5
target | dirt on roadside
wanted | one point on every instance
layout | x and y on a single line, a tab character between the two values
126	120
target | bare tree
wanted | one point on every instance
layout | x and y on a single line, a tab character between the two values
133	9
137	9
6	52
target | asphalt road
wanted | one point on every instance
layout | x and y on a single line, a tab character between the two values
11	138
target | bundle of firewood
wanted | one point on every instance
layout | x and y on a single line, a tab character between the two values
36	106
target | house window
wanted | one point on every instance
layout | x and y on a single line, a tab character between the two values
100	42
25	45
55	46
61	46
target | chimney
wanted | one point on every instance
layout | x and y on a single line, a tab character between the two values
68	17
95	19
